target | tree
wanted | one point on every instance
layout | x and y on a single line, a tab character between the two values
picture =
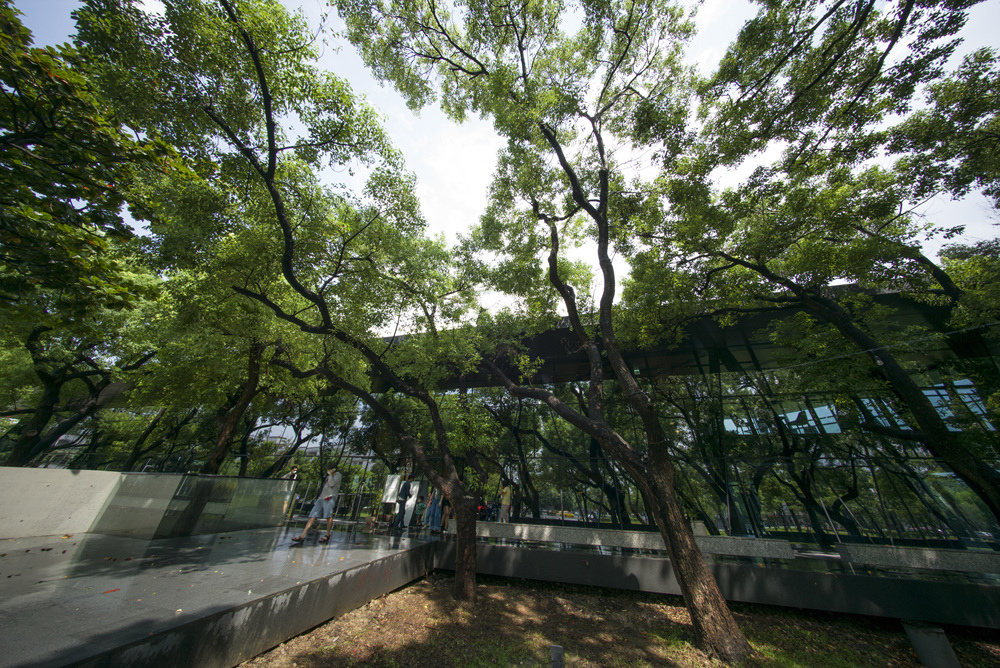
818	214
74	372
703	446
156	434
519	423
559	100
975	268
784	245
579	452
67	166
951	145
308	417
69	278
820	77
348	267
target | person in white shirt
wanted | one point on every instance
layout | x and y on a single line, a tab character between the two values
325	504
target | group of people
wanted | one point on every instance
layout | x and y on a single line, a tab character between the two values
435	514
438	511
499	509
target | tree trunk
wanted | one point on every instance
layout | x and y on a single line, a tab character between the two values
137	450
716	631
84	411
935	436
841	514
715	627
232	418
818	523
617	505
26	434
801	488
695	505
82	457
284	459
464	508
244	454
529	493
171	435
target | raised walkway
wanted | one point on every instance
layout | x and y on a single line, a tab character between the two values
219	599
209	600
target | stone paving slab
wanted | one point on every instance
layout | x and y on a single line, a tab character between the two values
64	599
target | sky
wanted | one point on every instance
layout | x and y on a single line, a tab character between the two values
454	163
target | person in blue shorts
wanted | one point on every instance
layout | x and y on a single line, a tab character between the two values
325	504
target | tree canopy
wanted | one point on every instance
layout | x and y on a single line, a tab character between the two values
632	197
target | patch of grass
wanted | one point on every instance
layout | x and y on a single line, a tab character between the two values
514	623
789	643
794	657
671	636
493	654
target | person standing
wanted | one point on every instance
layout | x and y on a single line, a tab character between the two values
401	498
325	504
505	504
434	512
417	521
293	475
445	514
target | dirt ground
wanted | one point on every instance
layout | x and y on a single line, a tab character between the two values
515	623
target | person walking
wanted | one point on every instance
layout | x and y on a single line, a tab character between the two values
401	498
325	504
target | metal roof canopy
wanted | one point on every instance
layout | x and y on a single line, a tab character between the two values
739	349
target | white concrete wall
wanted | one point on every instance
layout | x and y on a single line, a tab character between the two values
52	502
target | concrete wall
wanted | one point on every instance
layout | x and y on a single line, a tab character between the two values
638	540
52	502
917	557
940	601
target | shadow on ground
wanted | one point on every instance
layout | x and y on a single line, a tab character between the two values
515	623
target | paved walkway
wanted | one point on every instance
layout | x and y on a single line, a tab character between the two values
65	599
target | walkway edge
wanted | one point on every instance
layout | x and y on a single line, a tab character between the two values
232	636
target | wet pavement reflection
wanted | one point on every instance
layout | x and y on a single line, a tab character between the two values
75	596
